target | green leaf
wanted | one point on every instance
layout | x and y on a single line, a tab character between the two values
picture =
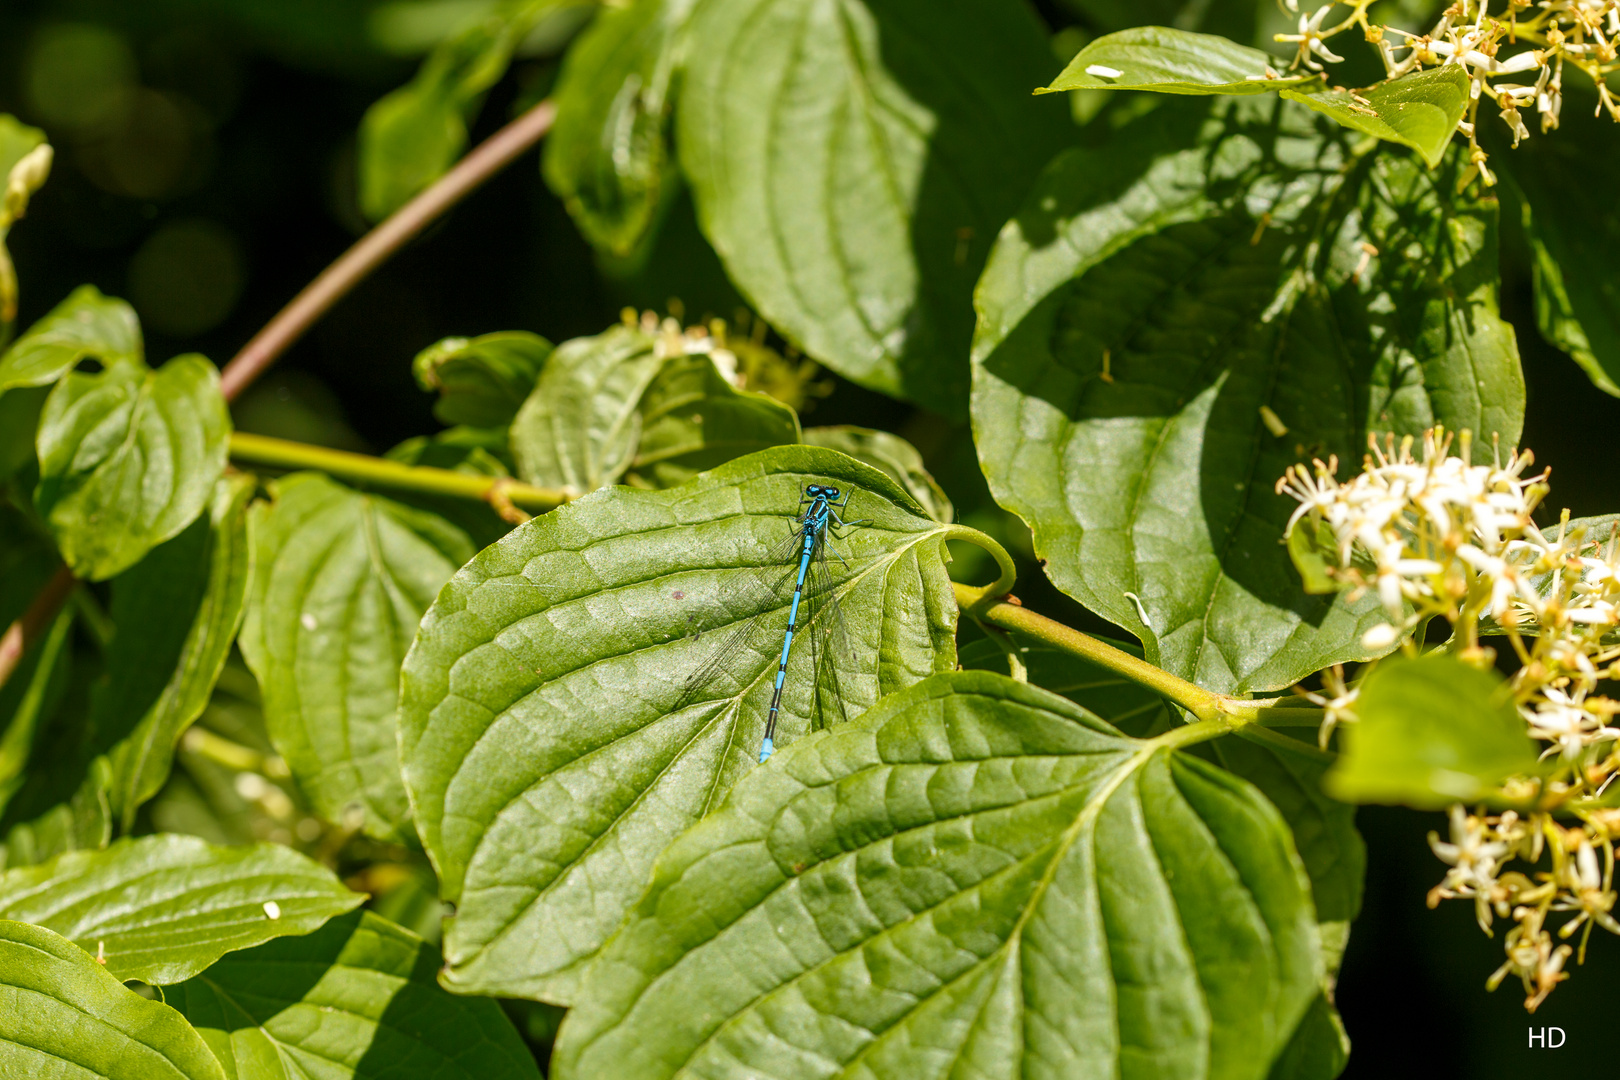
1335	858
890	454
851	161
1320	1048
128	458
1142	332
579	428
17	141
1430	732
64	1016
355	999
1172	61
1574	239
548	740
163	908
976	877
481	381
25	163
1313	548
53	782
27	701
340	580
607	156
412	136
1419	110
176	613
693	419
85	326
19	419
1324	829
51	817
27	561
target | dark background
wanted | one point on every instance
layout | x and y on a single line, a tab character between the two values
205	171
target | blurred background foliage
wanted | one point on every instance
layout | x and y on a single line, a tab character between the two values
206	171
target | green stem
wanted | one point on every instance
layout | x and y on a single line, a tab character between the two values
363	469
232	755
1007	573
1227	713
1011	615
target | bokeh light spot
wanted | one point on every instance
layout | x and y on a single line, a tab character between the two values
187	277
75	75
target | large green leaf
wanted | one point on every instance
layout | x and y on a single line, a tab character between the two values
412	136
1431	732
1419	110
86	325
482	381
693	419
65	1017
975	878
176	614
549	739
1173	61
1574	238
1177	318
128	458
607	156
579	427
340	580
355	999
1335	858
851	161
162	908
1324	829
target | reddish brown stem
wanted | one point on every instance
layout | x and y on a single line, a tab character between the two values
375	248
32	624
317	298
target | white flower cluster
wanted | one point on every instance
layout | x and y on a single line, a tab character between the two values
1580	880
1515	56
670	340
1438	535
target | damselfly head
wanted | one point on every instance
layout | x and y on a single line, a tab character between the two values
822	490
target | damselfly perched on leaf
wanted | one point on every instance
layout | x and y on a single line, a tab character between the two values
797	575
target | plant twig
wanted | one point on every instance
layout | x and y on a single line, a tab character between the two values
317	298
373	249
285	454
1253	716
33	623
1010	615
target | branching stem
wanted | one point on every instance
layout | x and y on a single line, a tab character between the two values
1228	714
364	469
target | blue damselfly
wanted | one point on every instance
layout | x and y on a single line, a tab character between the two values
797	574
